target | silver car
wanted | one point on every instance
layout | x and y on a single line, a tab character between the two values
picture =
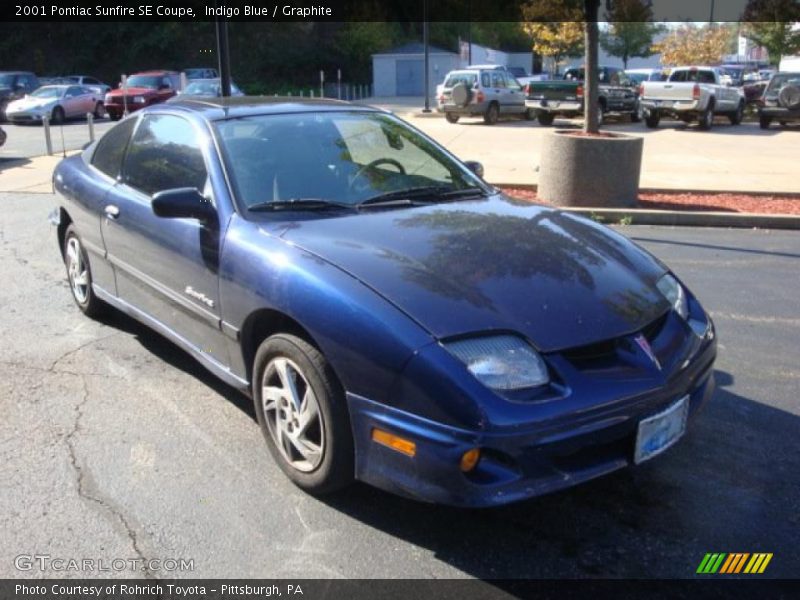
489	92
57	102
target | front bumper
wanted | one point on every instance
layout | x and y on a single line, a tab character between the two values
470	110
515	464
27	116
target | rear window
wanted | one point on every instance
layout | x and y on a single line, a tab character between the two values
784	79
467	77
693	76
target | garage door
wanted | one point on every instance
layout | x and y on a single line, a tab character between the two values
409	78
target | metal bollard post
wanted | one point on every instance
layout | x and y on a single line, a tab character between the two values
47	140
312	93
301	93
90	122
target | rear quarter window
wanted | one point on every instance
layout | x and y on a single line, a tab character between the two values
110	149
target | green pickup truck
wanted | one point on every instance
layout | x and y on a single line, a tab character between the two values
564	97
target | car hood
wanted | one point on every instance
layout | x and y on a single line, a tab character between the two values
29	102
495	264
133	91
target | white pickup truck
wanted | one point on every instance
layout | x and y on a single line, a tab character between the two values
689	94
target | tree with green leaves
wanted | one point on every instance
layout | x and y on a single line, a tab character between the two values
555	27
630	30
771	24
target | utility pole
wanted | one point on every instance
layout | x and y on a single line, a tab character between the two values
223	54
427	108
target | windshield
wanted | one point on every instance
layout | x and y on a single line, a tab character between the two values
203	88
48	92
341	157
145	81
467	77
783	79
6	80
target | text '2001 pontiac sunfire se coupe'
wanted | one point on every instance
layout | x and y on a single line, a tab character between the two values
395	319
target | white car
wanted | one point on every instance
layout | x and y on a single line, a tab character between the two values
57	102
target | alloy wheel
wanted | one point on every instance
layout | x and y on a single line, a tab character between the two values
78	270
293	415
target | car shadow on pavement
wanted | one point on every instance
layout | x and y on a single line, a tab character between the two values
731	485
12	162
176	357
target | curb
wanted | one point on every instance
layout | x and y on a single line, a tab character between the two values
623	216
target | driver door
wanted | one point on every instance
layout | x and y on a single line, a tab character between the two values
166	267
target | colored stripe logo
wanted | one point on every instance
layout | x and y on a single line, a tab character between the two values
735	562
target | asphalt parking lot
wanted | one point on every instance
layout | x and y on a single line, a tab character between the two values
115	444
27	141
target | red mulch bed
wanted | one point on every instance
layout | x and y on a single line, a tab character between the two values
717	202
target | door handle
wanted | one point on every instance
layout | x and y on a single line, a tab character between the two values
112	212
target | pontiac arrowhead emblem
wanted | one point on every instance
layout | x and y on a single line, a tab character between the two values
642	342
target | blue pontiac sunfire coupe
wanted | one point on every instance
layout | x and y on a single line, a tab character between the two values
394	318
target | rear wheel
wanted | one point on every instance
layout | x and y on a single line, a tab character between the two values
99	111
57	116
636	115
652	120
302	413
492	114
706	120
114	116
545	118
79	274
451	118
764	122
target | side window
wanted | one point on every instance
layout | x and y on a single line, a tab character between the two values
498	81
164	154
73	91
705	77
110	149
485	80
511	82
678	76
90	81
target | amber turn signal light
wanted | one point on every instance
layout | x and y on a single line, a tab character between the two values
469	460
394	442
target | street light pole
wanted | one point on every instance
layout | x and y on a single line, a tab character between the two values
427	108
223	54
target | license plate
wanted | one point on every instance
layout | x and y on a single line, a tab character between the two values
659	432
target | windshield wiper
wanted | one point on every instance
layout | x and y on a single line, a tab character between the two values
299	204
414	196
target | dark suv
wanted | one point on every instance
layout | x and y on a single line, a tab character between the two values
781	100
13	85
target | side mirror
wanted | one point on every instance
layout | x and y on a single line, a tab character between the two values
182	203
475	167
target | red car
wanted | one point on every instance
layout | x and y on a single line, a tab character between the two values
143	89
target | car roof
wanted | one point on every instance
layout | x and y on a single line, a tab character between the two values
156	72
232	107
16	72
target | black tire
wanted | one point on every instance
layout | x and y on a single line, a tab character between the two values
652	120
529	114
114	116
336	466
736	117
706	119
57	116
784	123
82	293
636	115
764	122
601	114
451	118
99	110
545	119
492	114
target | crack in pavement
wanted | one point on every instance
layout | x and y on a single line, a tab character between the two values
69	353
83	491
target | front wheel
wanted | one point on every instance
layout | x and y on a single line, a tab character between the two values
737	116
492	114
764	122
79	274
302	413
99	110
451	118
57	116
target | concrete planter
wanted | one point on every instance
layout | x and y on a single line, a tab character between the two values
579	170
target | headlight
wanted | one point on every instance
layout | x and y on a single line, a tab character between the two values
107	98
138	100
675	294
502	362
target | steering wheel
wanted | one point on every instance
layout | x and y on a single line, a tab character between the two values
380	161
